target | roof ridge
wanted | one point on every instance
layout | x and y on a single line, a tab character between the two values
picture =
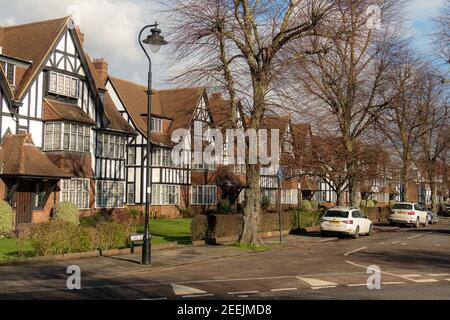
157	90
35	22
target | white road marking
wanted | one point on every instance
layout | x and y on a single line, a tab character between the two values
242	292
350	252
185	290
383	272
425	280
403	243
243	296
411	275
413	237
395	242
317	282
357	285
283	289
439	274
392	282
154	299
198	295
324	287
447	279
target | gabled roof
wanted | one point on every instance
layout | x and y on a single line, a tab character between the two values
57	110
31	42
4	86
22	159
178	105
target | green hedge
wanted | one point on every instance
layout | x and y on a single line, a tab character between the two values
66	211
6	219
307	219
305	205
199	227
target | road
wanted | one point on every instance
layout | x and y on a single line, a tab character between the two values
413	264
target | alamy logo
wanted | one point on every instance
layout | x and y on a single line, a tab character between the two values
374	281
229	150
74	280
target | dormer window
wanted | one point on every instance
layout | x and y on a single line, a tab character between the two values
10	72
157	125
63	85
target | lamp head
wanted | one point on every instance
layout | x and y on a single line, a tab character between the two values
155	40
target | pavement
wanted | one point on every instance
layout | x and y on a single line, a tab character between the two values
412	264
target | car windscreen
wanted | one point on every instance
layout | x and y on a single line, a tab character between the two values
336	214
402	206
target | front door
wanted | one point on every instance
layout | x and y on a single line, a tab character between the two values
24	204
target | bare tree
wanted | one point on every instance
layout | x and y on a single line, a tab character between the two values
236	43
442	33
345	82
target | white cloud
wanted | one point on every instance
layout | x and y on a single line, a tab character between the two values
111	29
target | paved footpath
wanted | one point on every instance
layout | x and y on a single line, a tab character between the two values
414	264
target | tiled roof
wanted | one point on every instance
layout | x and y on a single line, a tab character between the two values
178	105
58	111
220	109
31	42
115	121
23	159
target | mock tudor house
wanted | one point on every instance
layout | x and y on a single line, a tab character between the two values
61	139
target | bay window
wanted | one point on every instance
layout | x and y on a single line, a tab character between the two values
163	194
110	194
110	146
76	191
204	195
161	157
67	136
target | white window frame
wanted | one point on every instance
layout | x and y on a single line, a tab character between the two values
112	146
204	195
157	125
110	194
289	196
165	194
77	191
162	157
78	137
63	85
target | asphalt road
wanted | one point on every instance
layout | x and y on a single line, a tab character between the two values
412	264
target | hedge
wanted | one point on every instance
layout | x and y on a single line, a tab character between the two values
219	225
6	219
66	211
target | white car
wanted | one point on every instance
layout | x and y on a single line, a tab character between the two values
345	220
408	213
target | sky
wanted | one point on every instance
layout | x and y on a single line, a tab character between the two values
111	28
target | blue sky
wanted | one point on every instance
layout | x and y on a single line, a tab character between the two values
111	28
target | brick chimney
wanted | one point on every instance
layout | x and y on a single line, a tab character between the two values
80	34
216	95
102	68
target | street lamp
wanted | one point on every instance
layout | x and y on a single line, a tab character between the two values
154	41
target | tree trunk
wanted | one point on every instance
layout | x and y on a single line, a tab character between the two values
339	198
252	209
404	193
433	187
355	193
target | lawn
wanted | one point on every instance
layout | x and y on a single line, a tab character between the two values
169	230
9	249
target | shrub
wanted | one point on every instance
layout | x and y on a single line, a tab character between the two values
391	203
305	205
363	203
66	211
315	204
370	204
186	212
265	202
92	220
224	206
6	219
112	235
307	219
220	225
199	227
270	222
54	237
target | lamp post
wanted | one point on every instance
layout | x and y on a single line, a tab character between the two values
154	41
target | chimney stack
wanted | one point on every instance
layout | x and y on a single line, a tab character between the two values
80	34
216	95
102	68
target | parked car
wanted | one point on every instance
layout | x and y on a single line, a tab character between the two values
432	216
345	221
408	213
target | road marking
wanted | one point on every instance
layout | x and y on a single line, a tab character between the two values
395	242
154	299
357	285
403	243
242	292
411	275
439	274
283	289
350	252
323	287
425	280
317	282
383	272
413	237
198	295
393	282
185	290
447	279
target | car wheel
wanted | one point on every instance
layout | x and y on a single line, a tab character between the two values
323	234
370	230
356	234
417	223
